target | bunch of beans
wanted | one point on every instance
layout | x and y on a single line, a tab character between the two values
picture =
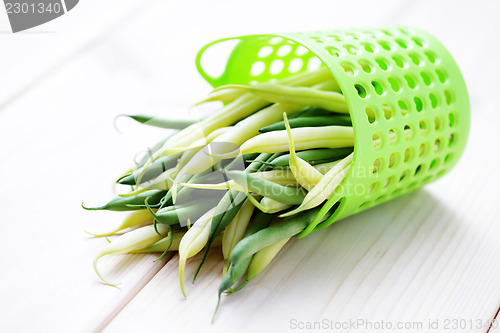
247	178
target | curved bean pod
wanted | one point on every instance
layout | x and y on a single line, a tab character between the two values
325	188
130	241
235	231
262	258
193	242
303	96
305	138
283	194
135	202
177	124
307	176
333	120
134	219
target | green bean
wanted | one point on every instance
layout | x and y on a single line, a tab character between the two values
180	213
156	168
313	156
304	137
266	188
331	120
135	202
248	246
177	124
235	231
153	150
263	257
303	96
259	221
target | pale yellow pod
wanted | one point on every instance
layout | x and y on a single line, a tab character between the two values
236	229
271	206
325	188
300	96
261	259
304	138
307	176
134	219
130	241
194	241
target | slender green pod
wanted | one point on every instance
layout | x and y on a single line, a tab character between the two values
177	124
262	258
248	246
313	156
156	168
332	120
135	202
228	207
181	213
266	188
235	231
150	151
258	222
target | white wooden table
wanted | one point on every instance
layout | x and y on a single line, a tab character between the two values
424	260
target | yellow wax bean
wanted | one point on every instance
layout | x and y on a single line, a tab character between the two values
268	205
239	109
325	188
236	229
307	176
225	96
134	219
262	258
249	127
304	96
305	138
193	242
162	245
162	182
130	241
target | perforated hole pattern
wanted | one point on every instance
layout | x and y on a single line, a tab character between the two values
402	75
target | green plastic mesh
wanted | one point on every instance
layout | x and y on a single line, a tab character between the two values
402	75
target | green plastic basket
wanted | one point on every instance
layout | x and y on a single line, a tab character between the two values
403	75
